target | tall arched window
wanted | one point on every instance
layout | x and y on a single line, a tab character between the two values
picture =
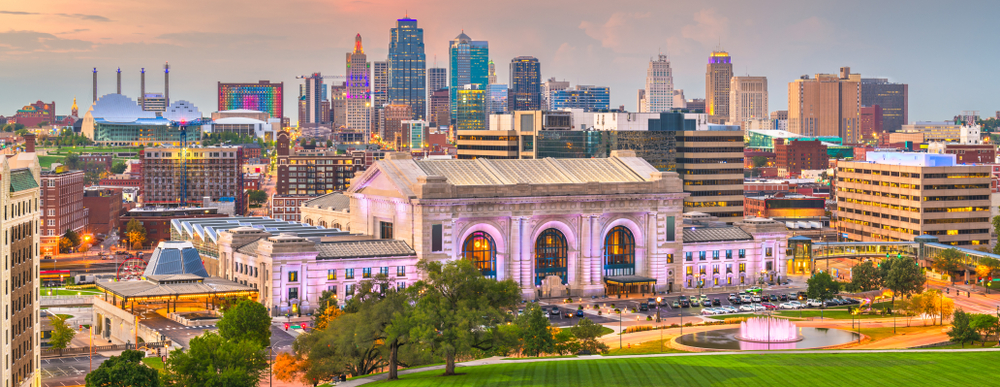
482	252
619	252
551	252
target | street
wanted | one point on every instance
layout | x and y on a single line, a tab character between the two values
67	371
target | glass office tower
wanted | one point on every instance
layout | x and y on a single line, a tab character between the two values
468	63
408	67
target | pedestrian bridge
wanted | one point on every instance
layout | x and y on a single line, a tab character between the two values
803	252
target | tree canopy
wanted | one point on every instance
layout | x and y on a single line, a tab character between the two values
248	320
961	330
865	277
536	335
135	233
948	261
904	278
822	286
213	361
125	370
118	167
62	334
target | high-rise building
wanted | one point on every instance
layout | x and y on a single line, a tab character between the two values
498	99
747	99
470	108
338	105
897	196
328	170
393	136
312	94
586	97
493	76
640	102
659	86
437	78
62	206
182	177
440	109
711	164
380	84
549	87
21	350
525	84
679	101
468	61
892	97
792	157
263	96
718	73
872	131
407	68
358	88
827	105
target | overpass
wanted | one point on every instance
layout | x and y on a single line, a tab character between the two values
803	253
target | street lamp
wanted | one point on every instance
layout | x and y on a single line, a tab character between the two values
660	327
620	332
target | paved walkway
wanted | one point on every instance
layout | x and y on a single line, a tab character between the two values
498	360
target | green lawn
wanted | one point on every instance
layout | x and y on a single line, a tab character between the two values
830	313
833	369
649	347
64	292
46	161
153	362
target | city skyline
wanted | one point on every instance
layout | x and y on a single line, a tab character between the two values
782	44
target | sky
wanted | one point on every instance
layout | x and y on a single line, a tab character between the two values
945	51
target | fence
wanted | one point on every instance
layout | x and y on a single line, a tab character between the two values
55	352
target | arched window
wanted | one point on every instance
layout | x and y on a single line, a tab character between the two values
322	223
550	255
619	252
482	252
336	226
309	221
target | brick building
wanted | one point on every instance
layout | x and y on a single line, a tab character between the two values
784	206
97	158
286	207
157	221
966	154
185	177
871	126
305	172
61	203
792	157
104	206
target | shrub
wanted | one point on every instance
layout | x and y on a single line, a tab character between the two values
689	325
734	320
638	328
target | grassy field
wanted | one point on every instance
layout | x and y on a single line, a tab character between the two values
154	363
46	161
649	347
884	333
833	369
64	292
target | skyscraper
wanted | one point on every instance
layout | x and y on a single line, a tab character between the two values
493	73
21	350
718	74
747	99
358	88
498	99
380	84
640	101
262	96
828	105
468	61
659	86
440	111
470	108
338	105
525	84
408	67
892	97
437	78
586	97
312	94
549	88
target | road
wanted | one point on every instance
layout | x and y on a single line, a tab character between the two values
67	371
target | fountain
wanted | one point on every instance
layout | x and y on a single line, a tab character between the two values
768	330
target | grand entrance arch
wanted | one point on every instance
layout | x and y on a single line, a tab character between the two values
619	252
551	255
480	249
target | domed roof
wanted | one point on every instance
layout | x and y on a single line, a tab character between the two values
182	111
118	108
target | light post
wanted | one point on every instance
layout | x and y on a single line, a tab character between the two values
270	371
660	327
620	331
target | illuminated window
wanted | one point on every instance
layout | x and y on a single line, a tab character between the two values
293	276
619	252
480	249
550	255
331	274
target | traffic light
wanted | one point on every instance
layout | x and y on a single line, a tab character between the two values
286	327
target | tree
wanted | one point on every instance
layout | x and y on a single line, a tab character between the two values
758	161
459	309
984	325
72	161
822	286
865	277
119	167
257	196
961	331
996	229
326	311
62	334
948	261
125	370
248	320
904	278
211	360
290	369
564	341
587	332
536	337
135	232
930	303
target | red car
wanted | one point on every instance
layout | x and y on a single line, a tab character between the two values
769	306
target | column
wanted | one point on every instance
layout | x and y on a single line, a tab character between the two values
585	255
596	244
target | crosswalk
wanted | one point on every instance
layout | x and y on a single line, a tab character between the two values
181	328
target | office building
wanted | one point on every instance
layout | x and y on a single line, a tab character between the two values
872	131
893	98
21	352
659	91
718	75
468	63
407	67
380	83
792	157
61	204
695	105
358	98
492	78
437	78
440	108
118	121
897	196
393	136
104	208
640	101
185	177
946	131
37	113
525	91
154	102
711	164
964	153
679	101
498	99
827	105
549	88
470	108
312	99
747	99
315	173
338	106
263	96
586	97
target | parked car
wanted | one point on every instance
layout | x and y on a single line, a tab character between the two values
554	311
675	304
745	299
791	305
579	313
773	298
569	314
643	307
732	297
746	308
801	296
813	303
730	309
716	302
769	306
685	303
709	312
756	298
706	302
651	301
783	297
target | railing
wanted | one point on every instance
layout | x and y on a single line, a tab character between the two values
67	300
56	352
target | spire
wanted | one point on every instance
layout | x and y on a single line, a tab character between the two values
357	45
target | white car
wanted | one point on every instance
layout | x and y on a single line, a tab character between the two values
746	308
814	303
756	298
708	312
791	305
745	299
730	309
